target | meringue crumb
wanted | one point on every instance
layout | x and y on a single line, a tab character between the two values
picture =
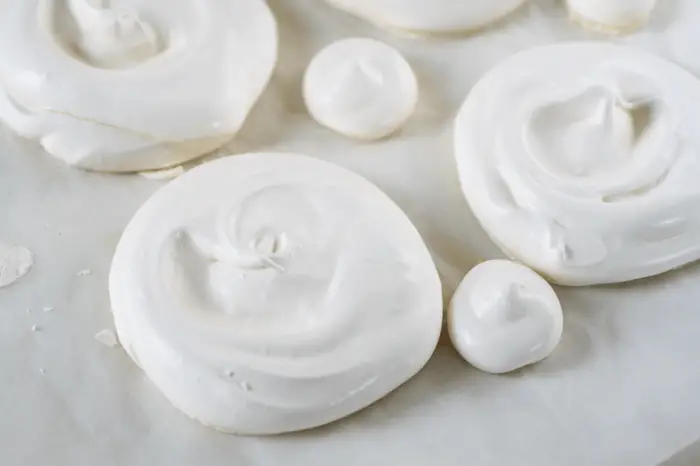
28	311
42	370
230	374
48	308
35	328
245	386
84	272
107	337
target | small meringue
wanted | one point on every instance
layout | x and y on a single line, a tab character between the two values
504	316
362	88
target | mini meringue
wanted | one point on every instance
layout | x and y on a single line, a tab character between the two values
582	160
268	293
611	16
504	316
131	86
430	16
362	88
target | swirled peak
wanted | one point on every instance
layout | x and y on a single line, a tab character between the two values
430	16
581	159
104	35
268	293
132	85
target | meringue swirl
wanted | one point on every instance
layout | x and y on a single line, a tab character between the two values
580	160
132	85
268	293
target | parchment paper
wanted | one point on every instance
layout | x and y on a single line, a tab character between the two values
622	389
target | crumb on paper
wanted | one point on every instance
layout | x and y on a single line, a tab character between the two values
48	308
28	311
246	386
35	328
107	337
42	370
15	262
84	272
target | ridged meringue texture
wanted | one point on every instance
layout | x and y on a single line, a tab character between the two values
361	88
504	316
267	293
582	160
131	85
430	16
612	16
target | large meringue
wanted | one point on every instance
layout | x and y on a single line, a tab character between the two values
268	293
612	16
360	87
582	161
504	316
426	16
133	85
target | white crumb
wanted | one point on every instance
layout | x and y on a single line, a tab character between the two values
35	328
48	308
15	262
107	337
84	272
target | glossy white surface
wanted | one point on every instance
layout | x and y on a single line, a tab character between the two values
504	316
360	87
273	292
426	16
612	14
624	371
581	160
133	85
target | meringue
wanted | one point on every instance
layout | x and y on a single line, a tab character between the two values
611	16
137	85
504	316
430	16
268	293
582	161
15	262
362	88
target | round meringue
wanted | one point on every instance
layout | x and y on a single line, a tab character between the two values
611	16
133	85
504	316
582	161
361	88
430	16
268	293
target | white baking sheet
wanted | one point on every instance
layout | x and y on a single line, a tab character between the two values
622	389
